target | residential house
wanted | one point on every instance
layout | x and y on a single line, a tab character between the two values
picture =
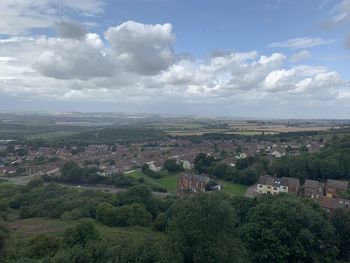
335	187
313	189
272	185
186	165
191	183
330	204
153	167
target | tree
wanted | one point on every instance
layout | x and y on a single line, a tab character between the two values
145	167
172	166
80	234
3	234
221	171
203	163
242	164
248	176
341	223
43	246
284	228
127	215
203	229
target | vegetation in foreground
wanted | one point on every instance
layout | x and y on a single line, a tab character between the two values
51	223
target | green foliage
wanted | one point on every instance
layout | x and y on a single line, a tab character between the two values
341	223
122	135
284	228
221	171
73	173
127	215
333	162
34	183
172	166
246	172
152	173
203	229
3	235
43	246
203	163
81	234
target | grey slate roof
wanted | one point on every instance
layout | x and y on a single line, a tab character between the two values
338	184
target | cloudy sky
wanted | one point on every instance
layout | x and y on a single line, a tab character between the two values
248	58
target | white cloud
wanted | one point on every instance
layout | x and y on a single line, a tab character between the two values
301	43
20	16
90	69
302	79
143	49
340	14
73	58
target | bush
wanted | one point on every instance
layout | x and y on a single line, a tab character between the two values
43	246
80	234
127	215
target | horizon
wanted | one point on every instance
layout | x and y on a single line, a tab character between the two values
246	59
171	115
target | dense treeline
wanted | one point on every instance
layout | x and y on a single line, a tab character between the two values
72	173
333	162
120	135
246	171
203	228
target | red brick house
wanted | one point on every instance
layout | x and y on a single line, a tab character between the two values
191	184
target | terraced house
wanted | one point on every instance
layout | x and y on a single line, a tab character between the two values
272	185
191	184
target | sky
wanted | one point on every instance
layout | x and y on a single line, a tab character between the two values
243	58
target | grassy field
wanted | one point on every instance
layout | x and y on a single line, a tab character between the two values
169	182
233	189
148	180
23	230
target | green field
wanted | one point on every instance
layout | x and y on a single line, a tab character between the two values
169	182
233	189
148	180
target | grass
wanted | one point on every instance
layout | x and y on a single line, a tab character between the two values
23	230
148	180
233	189
169	182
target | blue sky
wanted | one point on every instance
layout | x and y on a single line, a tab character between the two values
266	58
